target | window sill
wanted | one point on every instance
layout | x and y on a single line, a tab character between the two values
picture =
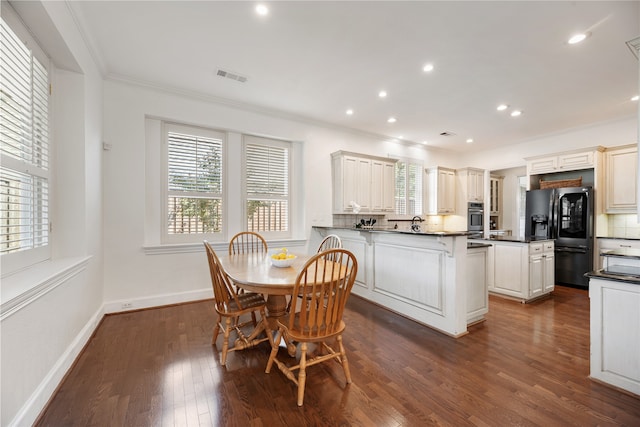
21	288
184	248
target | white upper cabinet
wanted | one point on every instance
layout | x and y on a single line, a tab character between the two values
382	186
440	191
621	178
575	160
366	180
471	183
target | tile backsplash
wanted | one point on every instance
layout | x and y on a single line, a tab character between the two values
624	226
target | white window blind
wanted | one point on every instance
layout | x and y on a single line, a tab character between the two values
24	146
194	181
408	188
267	186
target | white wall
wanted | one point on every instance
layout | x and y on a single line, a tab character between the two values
42	337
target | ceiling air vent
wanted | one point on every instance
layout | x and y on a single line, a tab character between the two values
233	76
447	133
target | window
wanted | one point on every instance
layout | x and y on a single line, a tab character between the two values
408	188
266	166
194	183
24	149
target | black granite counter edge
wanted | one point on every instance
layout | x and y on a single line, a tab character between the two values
514	239
598	274
391	230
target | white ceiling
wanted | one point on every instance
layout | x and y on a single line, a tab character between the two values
317	58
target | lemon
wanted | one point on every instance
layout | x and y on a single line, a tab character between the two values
284	250
290	256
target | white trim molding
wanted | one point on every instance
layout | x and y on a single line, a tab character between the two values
22	288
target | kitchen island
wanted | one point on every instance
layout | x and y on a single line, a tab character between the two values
520	268
422	276
614	293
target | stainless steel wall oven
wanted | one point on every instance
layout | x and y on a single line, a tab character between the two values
475	217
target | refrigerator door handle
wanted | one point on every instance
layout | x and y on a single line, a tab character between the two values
580	250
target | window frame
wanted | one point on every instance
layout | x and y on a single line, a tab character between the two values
289	145
165	237
21	259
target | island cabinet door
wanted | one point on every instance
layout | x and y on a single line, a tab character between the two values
536	275
477	295
511	269
549	272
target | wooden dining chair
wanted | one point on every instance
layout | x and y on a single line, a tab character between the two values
332	241
247	242
323	287
230	305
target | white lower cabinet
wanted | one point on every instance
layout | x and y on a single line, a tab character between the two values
541	269
521	270
615	333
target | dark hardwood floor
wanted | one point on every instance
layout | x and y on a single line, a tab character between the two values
527	365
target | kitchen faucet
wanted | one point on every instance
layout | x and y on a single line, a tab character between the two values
415	227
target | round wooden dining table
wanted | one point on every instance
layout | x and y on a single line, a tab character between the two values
254	272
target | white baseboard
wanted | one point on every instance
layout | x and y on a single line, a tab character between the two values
33	406
118	306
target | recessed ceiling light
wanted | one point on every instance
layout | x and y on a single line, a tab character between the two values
425	142
502	107
635	98
427	68
382	94
400	137
516	113
262	10
349	112
391	120
469	141
577	38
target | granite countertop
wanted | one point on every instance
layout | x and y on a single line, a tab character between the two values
393	230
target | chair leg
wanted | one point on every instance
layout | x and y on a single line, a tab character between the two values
343	358
302	374
216	330
265	325
225	342
274	351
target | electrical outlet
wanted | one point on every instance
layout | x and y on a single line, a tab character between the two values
126	305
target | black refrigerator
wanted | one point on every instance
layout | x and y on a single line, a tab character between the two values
566	216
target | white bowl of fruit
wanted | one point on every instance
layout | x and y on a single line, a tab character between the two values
282	258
